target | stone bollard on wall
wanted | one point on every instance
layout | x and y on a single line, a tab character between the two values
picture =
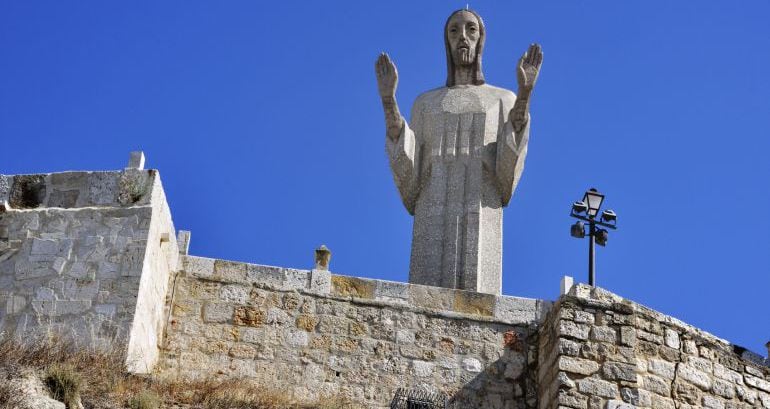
183	241
136	160
322	257
320	277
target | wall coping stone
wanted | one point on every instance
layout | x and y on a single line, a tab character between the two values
430	300
79	189
604	299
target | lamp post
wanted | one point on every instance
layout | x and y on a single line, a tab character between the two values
587	210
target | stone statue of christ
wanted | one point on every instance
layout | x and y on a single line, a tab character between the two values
459	159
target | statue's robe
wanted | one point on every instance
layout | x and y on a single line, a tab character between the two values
456	166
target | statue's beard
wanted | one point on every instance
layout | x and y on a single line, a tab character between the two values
464	56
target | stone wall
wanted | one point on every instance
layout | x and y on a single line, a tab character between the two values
600	351
93	256
81	256
319	335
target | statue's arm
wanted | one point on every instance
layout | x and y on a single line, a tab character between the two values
527	72
513	141
511	151
394	122
387	81
400	142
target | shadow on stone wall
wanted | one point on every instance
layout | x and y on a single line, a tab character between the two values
509	382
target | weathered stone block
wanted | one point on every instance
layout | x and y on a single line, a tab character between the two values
699	378
358	329
63	198
571	399
619	404
573	330
333	325
661	368
672	339
295	279
307	322
723	388
102	188
217	312
249	316
711	402
107	310
750	369
619	371
5	187
234	293
271	277
320	281
467	302
517	310
277	316
27	191
603	334
230	271
660	402
636	397
757	382
686	392
344	286
134	187
61	307
598	387
578	365
15	304
392	291
728	374
422	369
241	350
296	339
433	298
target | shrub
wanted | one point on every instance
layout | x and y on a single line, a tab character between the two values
237	394
9	399
145	400
64	383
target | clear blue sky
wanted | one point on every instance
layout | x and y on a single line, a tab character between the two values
264	121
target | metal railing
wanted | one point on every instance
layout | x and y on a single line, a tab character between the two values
414	399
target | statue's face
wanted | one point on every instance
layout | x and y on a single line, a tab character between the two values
463	34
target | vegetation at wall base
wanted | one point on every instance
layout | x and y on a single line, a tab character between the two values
99	379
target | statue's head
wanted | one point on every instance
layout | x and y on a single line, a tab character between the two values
464	36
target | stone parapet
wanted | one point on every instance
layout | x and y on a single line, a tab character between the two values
598	350
93	256
82	256
359	340
438	300
70	190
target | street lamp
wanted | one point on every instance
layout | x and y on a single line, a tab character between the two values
586	211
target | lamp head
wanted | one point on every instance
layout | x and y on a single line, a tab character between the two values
609	216
578	230
579	207
601	237
593	199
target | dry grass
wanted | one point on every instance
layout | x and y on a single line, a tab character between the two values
100	379
8	399
65	383
145	400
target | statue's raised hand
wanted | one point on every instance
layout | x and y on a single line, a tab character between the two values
387	76
529	68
